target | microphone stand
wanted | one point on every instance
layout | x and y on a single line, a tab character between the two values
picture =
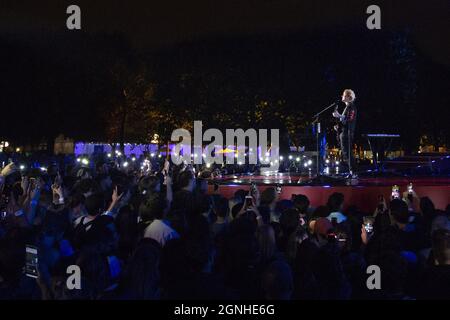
350	151
317	125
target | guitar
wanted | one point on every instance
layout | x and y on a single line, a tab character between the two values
338	125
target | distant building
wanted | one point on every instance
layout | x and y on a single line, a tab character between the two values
63	145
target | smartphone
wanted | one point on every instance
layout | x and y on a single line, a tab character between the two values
278	188
368	223
31	261
395	192
248	201
410	188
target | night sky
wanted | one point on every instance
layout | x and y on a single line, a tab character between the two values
152	24
37	46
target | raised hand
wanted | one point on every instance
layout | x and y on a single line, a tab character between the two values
24	184
166	166
58	179
8	169
58	194
365	236
116	196
35	193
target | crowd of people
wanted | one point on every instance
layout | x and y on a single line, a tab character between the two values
139	233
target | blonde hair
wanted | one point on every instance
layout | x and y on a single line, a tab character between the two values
351	93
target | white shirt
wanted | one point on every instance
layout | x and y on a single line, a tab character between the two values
158	230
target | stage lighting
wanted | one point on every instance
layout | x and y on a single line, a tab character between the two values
22	167
43	169
203	155
281	158
305	164
297	159
133	159
109	155
85	161
125	164
327	161
337	163
159	156
208	165
309	162
290	157
152	154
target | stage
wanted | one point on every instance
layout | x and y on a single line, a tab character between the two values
362	192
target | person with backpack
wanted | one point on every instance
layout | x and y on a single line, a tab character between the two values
95	206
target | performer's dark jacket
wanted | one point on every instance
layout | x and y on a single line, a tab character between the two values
350	118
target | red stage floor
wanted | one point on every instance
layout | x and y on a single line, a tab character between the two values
363	192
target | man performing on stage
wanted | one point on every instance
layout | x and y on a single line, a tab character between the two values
348	121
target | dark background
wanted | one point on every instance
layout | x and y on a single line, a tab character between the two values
142	67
